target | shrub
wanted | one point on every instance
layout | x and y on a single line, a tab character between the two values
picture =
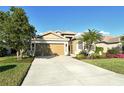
80	56
110	55
120	55
99	49
95	56
103	55
83	52
113	51
116	55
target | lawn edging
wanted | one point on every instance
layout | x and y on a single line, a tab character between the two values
26	72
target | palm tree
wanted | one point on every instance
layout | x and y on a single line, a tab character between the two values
90	38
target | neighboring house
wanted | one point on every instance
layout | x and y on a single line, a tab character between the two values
66	43
109	42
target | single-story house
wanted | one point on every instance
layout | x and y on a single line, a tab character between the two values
109	42
66	43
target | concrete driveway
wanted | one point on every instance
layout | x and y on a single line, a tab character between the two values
66	71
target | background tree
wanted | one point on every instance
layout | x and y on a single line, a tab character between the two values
4	27
122	38
16	30
90	38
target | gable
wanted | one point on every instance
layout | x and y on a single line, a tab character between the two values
51	36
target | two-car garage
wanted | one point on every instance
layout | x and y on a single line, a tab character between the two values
50	44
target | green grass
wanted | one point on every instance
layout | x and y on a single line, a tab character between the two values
114	64
12	72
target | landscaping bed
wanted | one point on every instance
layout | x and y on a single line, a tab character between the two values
113	64
12	72
112	60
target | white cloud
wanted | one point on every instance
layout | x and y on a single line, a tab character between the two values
85	30
78	34
105	33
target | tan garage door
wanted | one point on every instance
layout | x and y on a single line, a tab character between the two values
49	49
57	49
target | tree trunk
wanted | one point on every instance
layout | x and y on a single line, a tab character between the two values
21	53
89	49
17	55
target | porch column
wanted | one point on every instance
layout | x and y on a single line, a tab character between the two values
66	48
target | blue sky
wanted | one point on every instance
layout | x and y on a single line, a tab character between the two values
76	19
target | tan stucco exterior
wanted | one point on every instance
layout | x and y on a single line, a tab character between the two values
51	36
74	46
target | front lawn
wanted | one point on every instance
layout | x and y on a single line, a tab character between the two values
12	72
113	64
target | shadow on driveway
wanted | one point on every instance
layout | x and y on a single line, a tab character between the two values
45	57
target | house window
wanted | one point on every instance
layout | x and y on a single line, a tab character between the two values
80	45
